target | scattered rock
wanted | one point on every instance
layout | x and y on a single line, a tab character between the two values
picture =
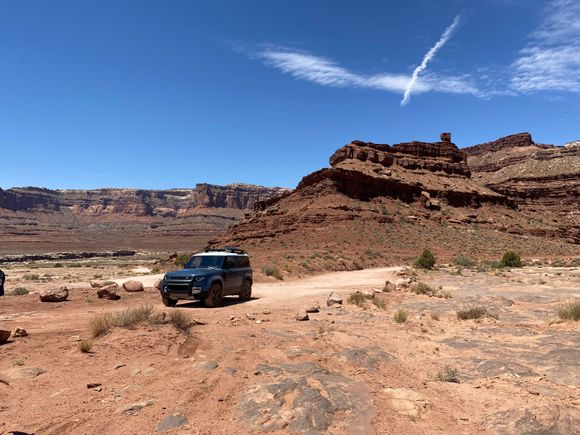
96	284
4	335
231	370
367	357
108	294
313	309
403	283
25	373
369	294
157	284
301	317
208	366
407	402
133	286
20	332
54	295
135	408
548	419
333	299
94	385
171	422
250	317
75	338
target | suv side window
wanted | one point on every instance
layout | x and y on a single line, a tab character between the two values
243	261
230	262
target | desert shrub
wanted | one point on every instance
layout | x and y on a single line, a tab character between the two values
434	316
359	299
474	313
182	259
569	311
180	320
100	324
448	374
400	316
511	259
106	283
19	291
18	362
379	303
426	261
75	265
423	289
85	346
462	260
57	265
155	270
272	271
32	277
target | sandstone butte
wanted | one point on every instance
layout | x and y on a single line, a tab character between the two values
393	200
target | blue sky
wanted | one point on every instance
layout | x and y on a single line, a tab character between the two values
163	94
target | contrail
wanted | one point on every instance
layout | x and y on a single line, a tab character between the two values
430	55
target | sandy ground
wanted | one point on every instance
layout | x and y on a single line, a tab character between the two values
253	368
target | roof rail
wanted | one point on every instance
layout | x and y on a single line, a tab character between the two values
231	249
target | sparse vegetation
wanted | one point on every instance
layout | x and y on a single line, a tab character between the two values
423	289
379	303
400	316
85	346
101	324
182	259
463	261
474	313
448	374
272	271
426	261
511	259
180	320
359	299
569	311
106	283
19	291
18	362
57	265
435	316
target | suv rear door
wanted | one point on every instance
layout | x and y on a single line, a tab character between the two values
232	275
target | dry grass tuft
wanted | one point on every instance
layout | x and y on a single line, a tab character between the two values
85	346
401	316
181	321
448	374
569	311
475	313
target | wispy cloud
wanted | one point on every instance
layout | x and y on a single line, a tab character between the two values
323	71
551	61
427	58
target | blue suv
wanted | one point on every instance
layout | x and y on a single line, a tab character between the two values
209	276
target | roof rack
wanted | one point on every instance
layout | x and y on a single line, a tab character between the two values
231	249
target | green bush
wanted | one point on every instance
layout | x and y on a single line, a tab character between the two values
511	259
182	259
426	260
19	291
423	289
401	316
462	260
570	311
272	271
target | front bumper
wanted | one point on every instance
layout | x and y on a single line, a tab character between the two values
180	291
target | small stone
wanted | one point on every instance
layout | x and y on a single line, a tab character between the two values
230	370
75	338
333	299
313	309
135	408
301	317
250	316
171	422
208	365
266	312
93	385
20	332
258	321
133	286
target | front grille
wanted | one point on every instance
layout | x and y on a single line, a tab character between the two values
177	287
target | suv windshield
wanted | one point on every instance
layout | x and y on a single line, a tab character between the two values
201	261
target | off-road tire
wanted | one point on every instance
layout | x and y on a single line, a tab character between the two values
214	296
246	293
168	302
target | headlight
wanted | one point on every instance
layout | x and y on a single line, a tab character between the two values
200	278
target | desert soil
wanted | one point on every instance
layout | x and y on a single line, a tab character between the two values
252	367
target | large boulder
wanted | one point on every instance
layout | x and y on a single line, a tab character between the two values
54	295
133	286
110	294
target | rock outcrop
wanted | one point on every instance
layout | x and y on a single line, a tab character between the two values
541	179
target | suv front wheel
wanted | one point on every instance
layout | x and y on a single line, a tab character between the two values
168	302
214	296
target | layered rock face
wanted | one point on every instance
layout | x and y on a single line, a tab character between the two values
542	179
135	201
33	219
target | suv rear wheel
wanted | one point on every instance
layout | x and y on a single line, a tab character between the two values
246	293
168	302
214	296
